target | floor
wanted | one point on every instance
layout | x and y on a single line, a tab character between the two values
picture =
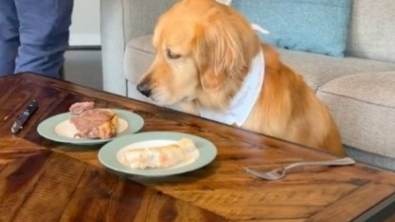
83	67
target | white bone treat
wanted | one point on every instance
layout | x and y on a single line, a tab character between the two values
160	157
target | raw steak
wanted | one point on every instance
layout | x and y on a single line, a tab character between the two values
93	123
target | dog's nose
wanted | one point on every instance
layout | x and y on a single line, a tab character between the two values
144	89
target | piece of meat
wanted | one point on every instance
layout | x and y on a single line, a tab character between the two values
91	118
80	107
93	123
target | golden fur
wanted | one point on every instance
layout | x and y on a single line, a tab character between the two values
203	52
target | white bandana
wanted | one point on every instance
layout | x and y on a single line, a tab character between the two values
245	99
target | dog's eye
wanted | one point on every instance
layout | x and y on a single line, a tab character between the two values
171	55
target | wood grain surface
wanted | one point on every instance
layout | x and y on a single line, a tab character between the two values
41	180
48	186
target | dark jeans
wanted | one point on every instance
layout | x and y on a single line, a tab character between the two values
34	35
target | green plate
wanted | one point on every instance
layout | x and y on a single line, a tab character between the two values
57	128
109	152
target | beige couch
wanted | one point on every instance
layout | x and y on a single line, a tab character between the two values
359	89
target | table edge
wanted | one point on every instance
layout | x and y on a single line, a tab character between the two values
380	212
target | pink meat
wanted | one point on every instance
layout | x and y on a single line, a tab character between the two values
88	122
79	108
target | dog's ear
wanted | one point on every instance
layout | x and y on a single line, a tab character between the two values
219	53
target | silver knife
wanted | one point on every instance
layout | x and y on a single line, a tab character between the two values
22	119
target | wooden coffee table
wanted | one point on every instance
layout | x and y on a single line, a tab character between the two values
44	181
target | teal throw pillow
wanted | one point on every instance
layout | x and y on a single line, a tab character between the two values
318	26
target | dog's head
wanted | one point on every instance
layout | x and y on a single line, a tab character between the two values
201	45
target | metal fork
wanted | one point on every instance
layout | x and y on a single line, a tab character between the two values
281	172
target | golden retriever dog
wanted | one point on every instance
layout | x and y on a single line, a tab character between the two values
204	52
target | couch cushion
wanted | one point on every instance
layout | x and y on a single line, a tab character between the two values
372	30
363	106
319	69
316	69
139	54
319	26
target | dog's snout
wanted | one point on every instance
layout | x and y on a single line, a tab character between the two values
144	88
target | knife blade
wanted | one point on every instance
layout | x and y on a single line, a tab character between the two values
26	114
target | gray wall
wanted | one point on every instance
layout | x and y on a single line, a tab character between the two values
85	28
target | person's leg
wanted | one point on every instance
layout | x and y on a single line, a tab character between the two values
9	36
44	35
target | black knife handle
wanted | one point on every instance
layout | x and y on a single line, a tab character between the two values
33	105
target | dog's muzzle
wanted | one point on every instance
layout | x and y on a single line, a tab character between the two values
144	88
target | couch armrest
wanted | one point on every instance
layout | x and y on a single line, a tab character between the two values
122	20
